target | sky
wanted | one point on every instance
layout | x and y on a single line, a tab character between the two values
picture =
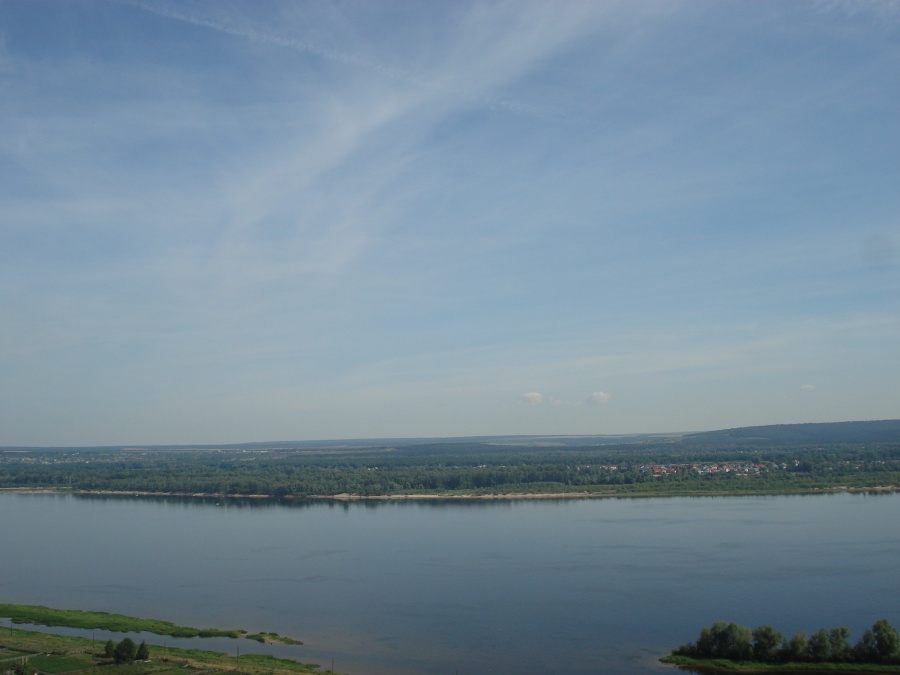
230	221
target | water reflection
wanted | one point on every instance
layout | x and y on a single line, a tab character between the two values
323	502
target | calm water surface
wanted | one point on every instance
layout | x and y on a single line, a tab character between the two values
422	588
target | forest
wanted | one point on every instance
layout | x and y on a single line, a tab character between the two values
757	460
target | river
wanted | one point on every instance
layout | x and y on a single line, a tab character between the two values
442	587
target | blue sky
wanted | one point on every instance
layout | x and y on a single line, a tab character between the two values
235	221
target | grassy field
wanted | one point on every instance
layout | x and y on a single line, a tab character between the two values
54	654
50	663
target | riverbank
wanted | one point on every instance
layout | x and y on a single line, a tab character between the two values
600	495
348	497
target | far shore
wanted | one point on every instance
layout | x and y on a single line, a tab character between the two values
347	497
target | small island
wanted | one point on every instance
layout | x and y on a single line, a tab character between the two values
76	618
728	647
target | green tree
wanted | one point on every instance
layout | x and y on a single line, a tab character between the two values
766	641
840	644
125	651
109	649
879	644
725	641
143	652
819	648
797	648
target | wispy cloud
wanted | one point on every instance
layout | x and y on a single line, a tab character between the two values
316	210
479	49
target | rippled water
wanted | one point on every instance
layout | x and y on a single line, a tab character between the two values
585	586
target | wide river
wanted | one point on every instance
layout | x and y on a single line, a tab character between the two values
425	587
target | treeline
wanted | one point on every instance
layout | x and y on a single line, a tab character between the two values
879	645
662	468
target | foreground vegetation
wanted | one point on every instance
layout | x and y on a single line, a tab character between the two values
729	646
76	618
24	652
756	460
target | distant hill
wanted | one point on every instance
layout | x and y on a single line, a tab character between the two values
880	431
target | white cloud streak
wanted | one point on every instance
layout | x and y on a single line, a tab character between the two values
334	213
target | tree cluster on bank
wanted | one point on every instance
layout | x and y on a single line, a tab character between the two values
126	651
879	644
464	467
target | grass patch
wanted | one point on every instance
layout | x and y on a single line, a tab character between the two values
273	663
75	618
49	663
273	638
10	654
136	668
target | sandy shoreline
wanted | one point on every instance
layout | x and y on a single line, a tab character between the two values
347	497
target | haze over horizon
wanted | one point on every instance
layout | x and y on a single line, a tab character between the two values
235	221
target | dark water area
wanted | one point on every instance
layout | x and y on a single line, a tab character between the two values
427	588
